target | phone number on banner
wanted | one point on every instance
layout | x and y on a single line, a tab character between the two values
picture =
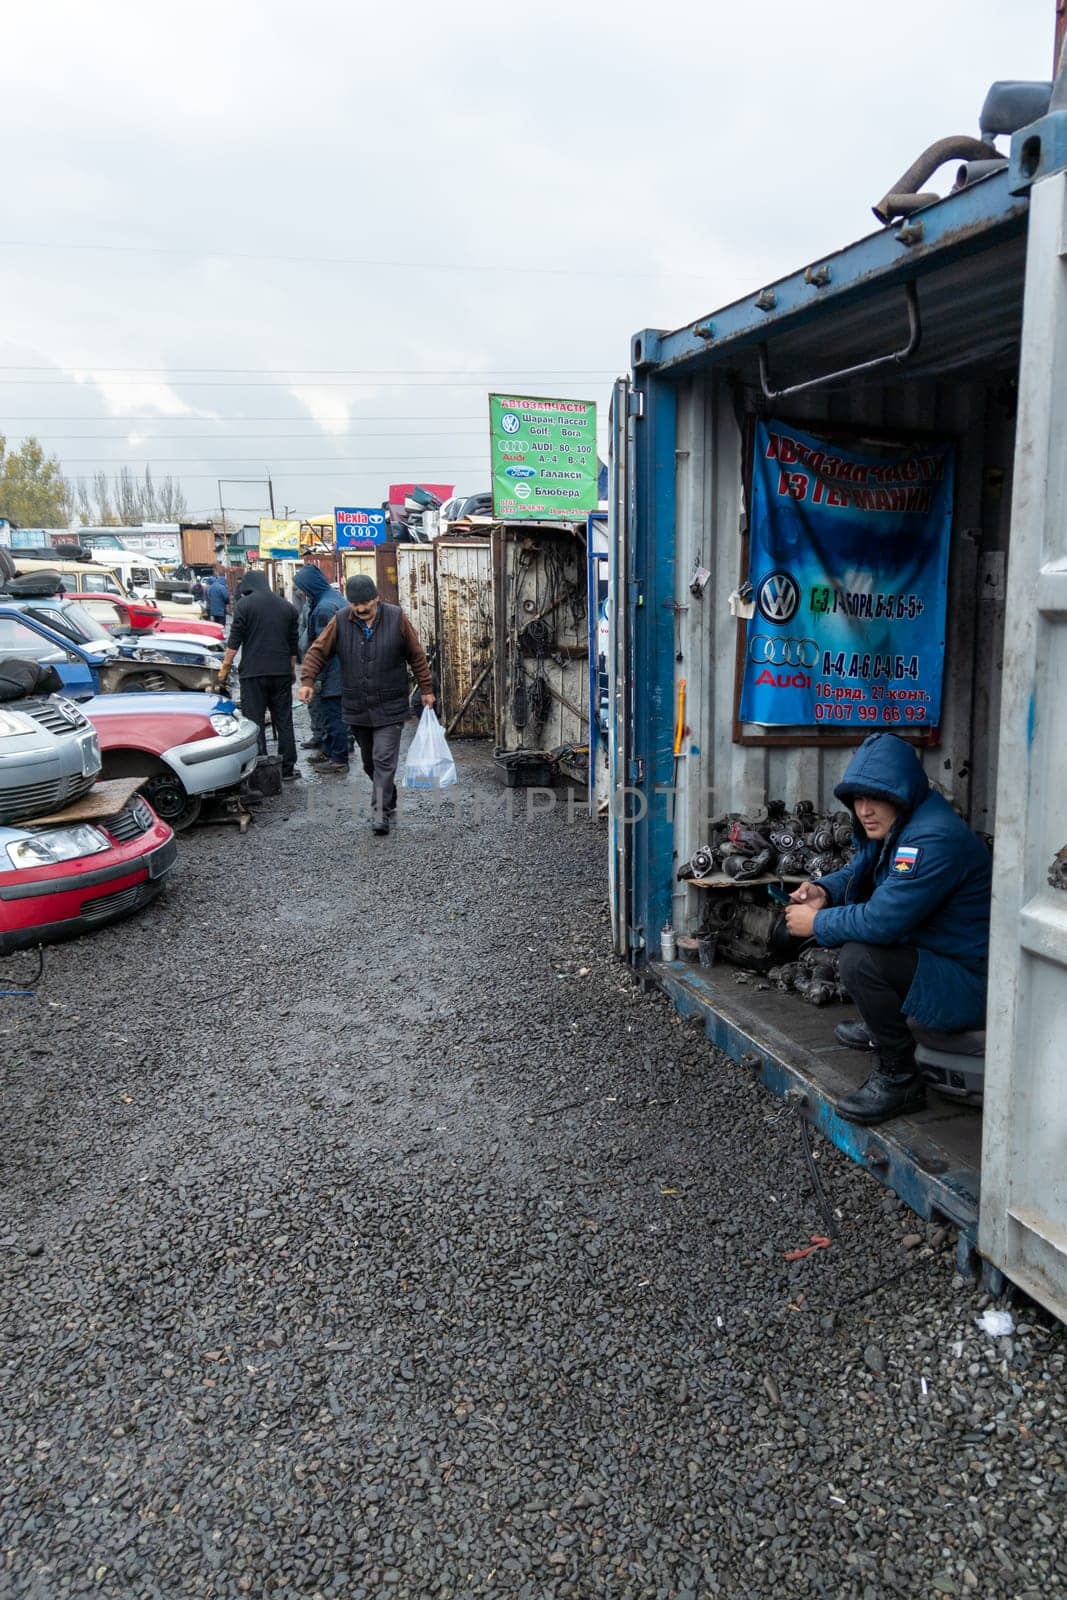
874	702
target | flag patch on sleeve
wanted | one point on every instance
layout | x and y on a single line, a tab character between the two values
906	859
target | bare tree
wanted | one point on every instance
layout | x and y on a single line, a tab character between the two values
105	515
170	500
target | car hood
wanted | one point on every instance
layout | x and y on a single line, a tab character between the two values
182	703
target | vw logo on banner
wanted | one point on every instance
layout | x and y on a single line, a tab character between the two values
777	597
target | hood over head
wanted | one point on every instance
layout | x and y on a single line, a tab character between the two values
885	768
310	581
254	583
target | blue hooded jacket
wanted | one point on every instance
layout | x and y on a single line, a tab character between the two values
927	884
323	602
218	597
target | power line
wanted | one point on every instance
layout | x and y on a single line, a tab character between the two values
425	372
508	269
272	438
227	421
251	461
259	383
212	477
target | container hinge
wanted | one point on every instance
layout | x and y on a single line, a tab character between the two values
635	403
636	770
635	595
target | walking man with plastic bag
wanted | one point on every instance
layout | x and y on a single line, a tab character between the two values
375	644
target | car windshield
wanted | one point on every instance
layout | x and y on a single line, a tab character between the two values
73	620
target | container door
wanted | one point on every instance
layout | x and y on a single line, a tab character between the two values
619	709
1023	1219
465	636
597	699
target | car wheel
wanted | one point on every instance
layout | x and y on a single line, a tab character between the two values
171	801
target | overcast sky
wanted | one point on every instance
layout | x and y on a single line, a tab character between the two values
245	234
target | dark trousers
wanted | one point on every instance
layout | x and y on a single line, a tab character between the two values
273	696
380	751
333	730
878	977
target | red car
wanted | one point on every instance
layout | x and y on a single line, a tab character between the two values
71	877
141	616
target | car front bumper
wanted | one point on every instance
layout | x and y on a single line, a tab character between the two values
42	910
208	765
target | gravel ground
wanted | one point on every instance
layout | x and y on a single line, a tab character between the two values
366	1231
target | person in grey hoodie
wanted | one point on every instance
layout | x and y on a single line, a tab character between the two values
264	630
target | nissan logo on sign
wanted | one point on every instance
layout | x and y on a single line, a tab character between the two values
777	597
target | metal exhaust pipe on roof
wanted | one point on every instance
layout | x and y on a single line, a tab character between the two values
905	196
971	171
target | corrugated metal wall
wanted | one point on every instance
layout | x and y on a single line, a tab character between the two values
465	635
718	775
542	586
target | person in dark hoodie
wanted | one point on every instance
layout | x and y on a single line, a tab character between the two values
264	629
910	916
323	602
374	644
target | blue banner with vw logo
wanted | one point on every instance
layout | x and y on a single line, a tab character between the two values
849	574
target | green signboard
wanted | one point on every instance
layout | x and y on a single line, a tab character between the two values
544	458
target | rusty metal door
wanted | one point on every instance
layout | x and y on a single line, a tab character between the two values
465	635
385	572
417	591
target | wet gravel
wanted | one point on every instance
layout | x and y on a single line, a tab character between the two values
365	1230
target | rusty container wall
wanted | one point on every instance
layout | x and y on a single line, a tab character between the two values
465	636
418	592
542	637
385	572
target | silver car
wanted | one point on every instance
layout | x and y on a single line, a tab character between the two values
49	756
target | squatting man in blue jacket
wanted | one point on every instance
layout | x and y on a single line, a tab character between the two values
910	916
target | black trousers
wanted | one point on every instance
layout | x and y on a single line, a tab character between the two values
273	696
878	977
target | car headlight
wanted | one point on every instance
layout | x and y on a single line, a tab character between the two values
224	724
15	722
44	849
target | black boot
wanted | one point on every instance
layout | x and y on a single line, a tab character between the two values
855	1035
891	1090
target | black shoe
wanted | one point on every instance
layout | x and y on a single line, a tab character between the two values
311	744
289	773
882	1097
382	826
855	1035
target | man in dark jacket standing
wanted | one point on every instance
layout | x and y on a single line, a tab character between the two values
910	915
323	602
375	644
264	629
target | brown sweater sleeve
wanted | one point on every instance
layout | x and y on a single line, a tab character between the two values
317	654
416	657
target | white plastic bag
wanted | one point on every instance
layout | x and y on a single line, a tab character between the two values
429	763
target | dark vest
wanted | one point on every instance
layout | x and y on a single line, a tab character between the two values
374	671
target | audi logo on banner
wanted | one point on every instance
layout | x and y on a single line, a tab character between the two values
766	649
777	597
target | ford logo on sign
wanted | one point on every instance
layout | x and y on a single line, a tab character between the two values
521	472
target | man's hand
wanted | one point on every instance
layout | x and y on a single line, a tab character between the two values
429	700
220	683
800	920
304	693
810	894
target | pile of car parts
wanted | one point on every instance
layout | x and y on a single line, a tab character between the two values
814	976
781	844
